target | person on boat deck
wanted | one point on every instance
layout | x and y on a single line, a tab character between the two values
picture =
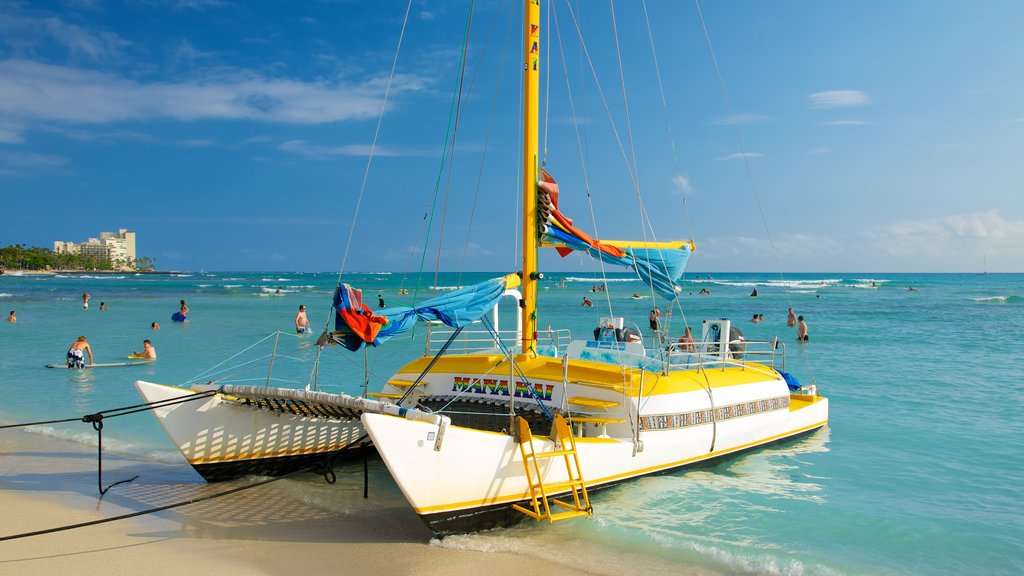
754	293
76	358
184	309
301	322
85	301
687	340
654	317
586	302
154	326
11	318
148	351
791	318
801	329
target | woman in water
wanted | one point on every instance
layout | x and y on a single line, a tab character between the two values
184	309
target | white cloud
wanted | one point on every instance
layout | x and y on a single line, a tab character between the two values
973	225
304	148
18	162
740	155
10	135
34	90
82	42
838	99
682	184
819	150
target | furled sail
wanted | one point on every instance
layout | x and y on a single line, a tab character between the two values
356	325
659	264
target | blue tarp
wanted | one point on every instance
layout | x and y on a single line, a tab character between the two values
658	267
456	309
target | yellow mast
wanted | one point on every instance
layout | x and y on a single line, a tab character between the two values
531	97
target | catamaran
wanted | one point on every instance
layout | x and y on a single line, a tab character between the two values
495	424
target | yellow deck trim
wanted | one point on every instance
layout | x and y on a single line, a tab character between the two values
405	383
594	374
384	395
631	474
596	419
592	402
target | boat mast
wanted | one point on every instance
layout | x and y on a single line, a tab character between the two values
531	97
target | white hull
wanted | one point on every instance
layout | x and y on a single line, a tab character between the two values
476	475
223	440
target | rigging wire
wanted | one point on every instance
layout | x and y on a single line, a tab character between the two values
487	137
455	134
547	86
746	161
645	222
444	157
672	143
373	148
583	161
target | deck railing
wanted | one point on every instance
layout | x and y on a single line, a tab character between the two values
479	341
691	355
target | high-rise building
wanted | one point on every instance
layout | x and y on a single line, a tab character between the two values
118	248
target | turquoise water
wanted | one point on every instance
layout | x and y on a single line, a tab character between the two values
920	471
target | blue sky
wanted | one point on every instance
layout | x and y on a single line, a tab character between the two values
880	136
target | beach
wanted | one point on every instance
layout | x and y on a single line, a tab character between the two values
264	530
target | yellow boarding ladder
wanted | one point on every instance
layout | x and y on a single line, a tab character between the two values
539	490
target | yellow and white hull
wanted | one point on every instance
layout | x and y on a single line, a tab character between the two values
470	482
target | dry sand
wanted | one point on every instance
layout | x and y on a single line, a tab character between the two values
281	528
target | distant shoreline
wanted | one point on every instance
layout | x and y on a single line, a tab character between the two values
54	272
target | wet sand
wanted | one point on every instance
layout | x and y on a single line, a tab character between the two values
282	528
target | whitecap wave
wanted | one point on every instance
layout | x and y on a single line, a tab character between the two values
598	280
5	295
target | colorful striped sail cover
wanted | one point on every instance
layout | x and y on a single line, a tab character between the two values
356	324
658	264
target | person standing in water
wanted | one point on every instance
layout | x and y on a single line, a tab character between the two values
184	310
76	358
85	300
11	318
301	322
801	330
380	301
791	318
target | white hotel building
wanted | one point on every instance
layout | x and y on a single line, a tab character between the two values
118	248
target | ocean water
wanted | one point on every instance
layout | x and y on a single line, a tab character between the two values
921	470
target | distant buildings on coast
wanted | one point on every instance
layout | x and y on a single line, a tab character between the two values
117	248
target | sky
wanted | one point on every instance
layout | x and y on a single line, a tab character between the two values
810	136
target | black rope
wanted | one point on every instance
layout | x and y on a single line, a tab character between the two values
97	424
141	512
122	411
323	465
366	473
